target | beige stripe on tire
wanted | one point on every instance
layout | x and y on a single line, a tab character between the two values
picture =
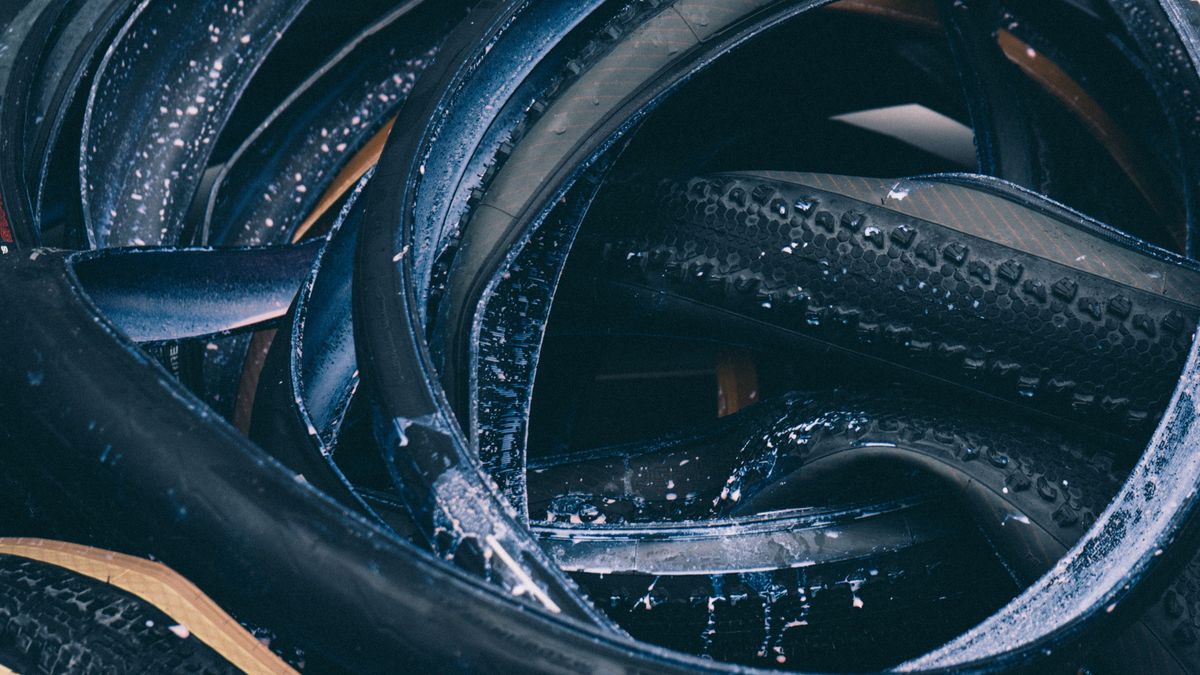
162	587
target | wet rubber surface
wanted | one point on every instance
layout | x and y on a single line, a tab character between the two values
1031	491
993	295
389	517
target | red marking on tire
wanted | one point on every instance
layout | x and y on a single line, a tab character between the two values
6	233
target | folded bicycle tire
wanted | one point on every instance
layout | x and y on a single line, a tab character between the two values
969	280
1031	490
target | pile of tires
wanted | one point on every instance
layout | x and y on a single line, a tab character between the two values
604	335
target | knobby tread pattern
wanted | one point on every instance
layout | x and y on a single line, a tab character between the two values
1044	488
803	617
739	463
1055	481
857	276
53	620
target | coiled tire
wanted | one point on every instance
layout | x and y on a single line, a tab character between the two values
394	278
515	193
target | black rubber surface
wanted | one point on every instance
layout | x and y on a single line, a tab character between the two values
844	616
973	282
1032	491
375	603
55	621
393	273
167	469
770	456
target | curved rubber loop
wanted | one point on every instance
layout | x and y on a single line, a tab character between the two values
25	35
164	91
776	445
998	291
451	501
270	186
277	174
1032	491
1033	508
181	478
460	326
785	587
1155	29
676	45
1005	142
54	59
310	371
499	384
171	294
505	350
385	296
